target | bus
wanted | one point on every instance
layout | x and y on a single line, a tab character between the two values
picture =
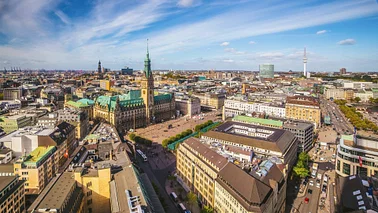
142	155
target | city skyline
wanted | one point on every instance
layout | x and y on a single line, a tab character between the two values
190	34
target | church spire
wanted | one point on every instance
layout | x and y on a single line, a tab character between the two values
147	64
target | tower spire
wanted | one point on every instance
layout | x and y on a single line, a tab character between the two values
147	48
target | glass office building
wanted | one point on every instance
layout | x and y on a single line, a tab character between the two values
266	71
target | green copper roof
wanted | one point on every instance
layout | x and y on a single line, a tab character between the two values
86	101
147	64
132	94
263	121
163	97
80	103
124	101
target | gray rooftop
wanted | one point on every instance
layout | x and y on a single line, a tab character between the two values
59	192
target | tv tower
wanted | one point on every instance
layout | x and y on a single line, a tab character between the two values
305	63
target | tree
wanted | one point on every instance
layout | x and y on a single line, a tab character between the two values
301	172
304	157
207	209
132	136
357	99
165	143
191	198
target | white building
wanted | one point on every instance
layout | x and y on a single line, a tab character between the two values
42	101
9	105
357	85
335	93
5	155
25	140
232	108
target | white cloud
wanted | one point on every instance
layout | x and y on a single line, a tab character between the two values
234	51
321	32
226	43
108	33
271	55
188	3
251	42
348	41
228	60
63	17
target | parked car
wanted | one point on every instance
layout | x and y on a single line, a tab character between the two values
306	200
309	191
311	183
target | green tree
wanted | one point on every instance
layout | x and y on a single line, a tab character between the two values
301	171
165	143
191	198
304	157
357	99
132	136
207	209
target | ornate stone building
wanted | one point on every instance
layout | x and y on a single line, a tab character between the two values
137	108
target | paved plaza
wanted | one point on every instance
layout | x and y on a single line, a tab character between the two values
159	132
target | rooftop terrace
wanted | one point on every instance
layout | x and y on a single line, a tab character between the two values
39	154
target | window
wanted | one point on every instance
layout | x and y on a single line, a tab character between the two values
89	193
346	168
89	184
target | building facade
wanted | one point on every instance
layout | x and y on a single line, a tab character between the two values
233	108
198	167
37	169
211	100
96	188
266	71
304	132
77	118
304	108
335	93
357	156
14	122
222	185
85	105
12	195
255	140
188	106
138	108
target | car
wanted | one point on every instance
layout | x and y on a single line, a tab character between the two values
306	200
311	183
309	191
324	188
318	185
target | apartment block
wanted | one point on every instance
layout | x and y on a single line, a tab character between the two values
198	167
233	108
37	169
221	184
25	140
64	196
255	140
211	100
96	188
304	108
12	195
188	106
12	123
77	118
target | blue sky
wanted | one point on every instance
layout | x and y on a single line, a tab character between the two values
190	34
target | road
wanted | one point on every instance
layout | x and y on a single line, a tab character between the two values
159	177
338	119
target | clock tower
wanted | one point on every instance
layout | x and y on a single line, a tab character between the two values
148	89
